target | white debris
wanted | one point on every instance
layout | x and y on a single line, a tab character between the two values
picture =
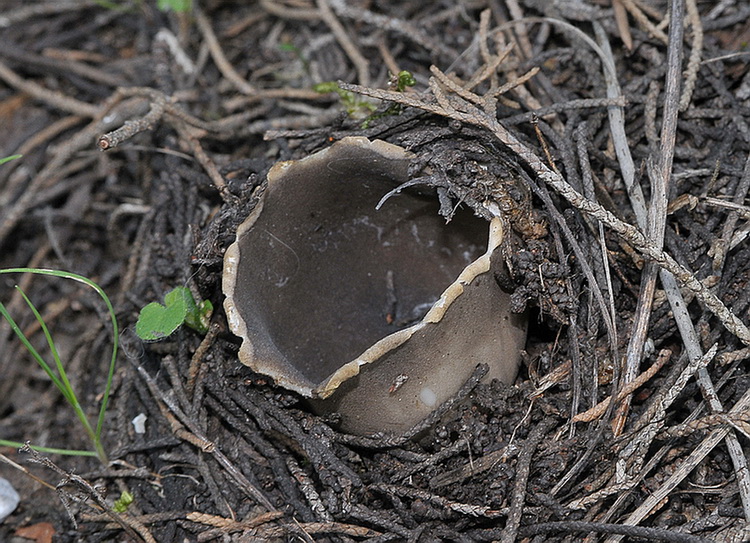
9	499
139	424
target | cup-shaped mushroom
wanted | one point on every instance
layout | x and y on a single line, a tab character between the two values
377	313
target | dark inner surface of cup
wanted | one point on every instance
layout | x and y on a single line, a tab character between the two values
324	275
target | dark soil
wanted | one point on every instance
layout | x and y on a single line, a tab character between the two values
214	98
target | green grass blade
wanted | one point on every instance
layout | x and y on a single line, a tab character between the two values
9	158
67	389
49	450
115	342
32	350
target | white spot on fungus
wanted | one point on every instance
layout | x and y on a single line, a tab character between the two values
428	397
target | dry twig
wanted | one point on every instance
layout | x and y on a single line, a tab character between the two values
218	54
696	49
195	437
684	469
599	409
660	176
347	44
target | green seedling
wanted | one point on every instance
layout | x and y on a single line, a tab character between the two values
355	106
400	81
123	502
157	321
59	377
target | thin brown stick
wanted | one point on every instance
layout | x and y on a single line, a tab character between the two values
196	361
649	423
132	527
657	213
276	8
28	11
484	27
738	422
523	468
25	471
132	127
195	437
351	10
642	20
720	247
231	525
649	115
516	14
440	501
599	409
53	98
224	66
388	59
687	466
52	169
208	164
617	130
61	63
621	19
346	43
37	140
696	49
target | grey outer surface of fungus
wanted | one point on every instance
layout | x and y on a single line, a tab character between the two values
377	315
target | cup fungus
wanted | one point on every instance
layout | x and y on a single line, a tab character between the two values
378	315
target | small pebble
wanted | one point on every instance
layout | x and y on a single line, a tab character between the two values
139	423
9	499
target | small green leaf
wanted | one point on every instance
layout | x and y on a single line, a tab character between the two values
123	502
158	321
62	382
